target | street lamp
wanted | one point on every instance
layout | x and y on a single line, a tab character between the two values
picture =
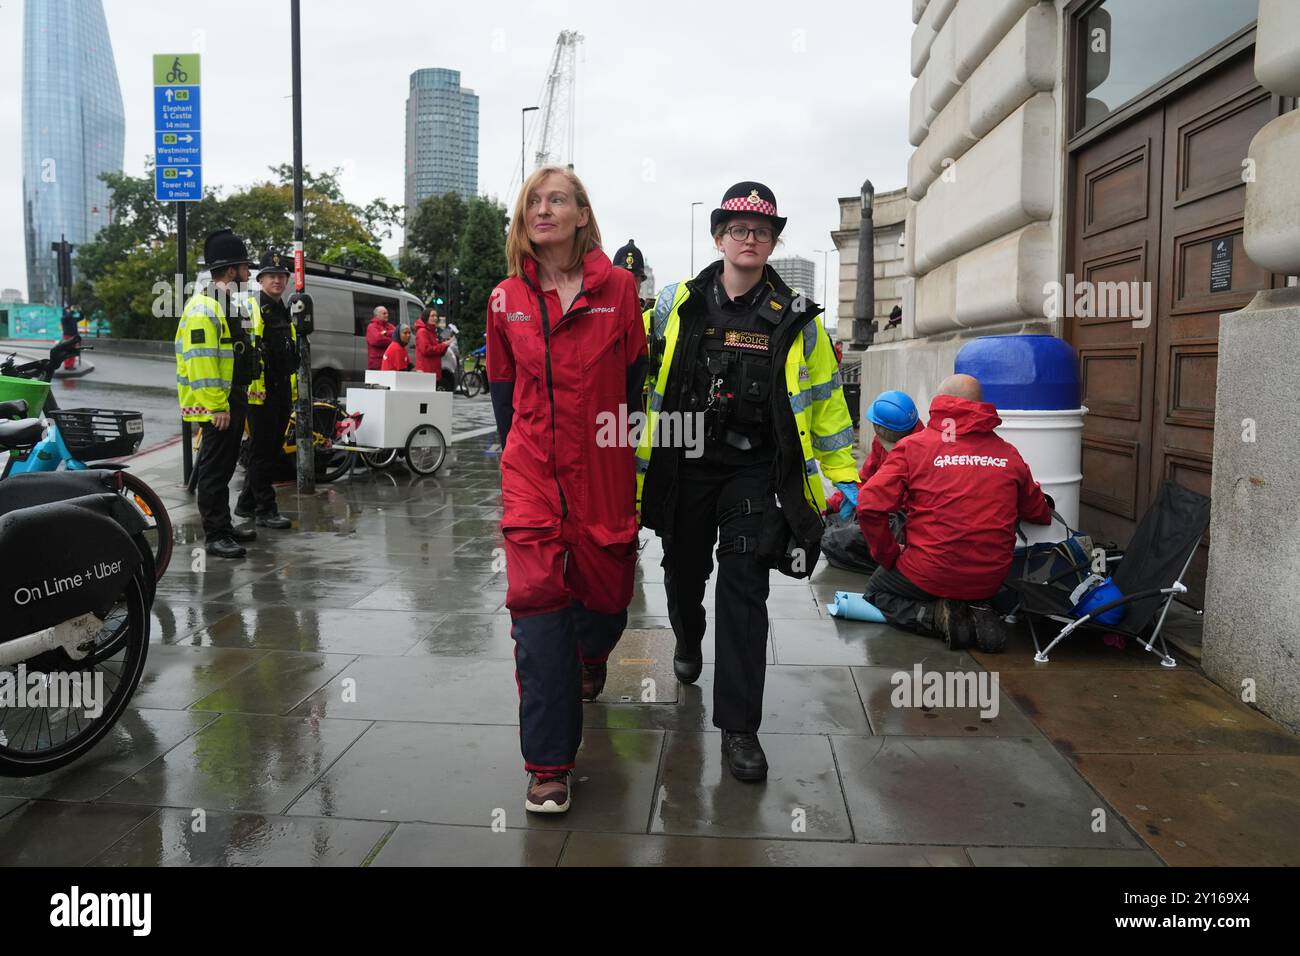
693	205
522	115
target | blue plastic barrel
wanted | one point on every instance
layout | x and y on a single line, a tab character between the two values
1038	372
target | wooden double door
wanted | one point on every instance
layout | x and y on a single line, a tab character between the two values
1158	202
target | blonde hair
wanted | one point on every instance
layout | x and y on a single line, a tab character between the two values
518	245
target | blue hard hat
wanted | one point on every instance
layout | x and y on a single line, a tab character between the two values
894	410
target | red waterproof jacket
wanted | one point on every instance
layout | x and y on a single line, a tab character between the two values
379	335
395	358
428	350
875	458
962	497
564	374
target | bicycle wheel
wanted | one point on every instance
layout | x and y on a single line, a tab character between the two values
333	463
379	460
426	450
474	384
37	739
159	537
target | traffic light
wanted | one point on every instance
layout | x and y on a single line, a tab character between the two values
63	254
438	296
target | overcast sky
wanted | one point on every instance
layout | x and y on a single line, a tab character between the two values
676	101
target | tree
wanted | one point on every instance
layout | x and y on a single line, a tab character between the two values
123	266
432	240
481	264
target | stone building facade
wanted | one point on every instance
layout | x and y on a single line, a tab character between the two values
1110	171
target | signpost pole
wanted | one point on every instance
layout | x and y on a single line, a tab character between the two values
182	268
306	444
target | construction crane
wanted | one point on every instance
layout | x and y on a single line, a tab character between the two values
559	121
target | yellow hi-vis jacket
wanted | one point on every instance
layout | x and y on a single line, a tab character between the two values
257	387
205	359
812	379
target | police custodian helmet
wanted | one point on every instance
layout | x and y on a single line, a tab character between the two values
630	258
273	263
223	248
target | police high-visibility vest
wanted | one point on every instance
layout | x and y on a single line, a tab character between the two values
257	387
812	379
205	359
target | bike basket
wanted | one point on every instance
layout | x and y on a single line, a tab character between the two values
94	434
33	392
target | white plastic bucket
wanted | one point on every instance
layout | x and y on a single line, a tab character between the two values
1051	443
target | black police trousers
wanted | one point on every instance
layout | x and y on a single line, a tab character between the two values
710	507
215	466
267	423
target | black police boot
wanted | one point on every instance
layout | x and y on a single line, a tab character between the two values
224	548
744	756
274	520
688	661
244	534
953	622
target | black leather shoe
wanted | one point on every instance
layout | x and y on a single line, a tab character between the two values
687	663
744	756
953	622
244	534
224	548
276	521
242	510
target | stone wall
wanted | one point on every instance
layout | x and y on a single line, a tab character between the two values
1251	643
984	227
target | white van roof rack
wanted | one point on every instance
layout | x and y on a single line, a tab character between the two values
314	268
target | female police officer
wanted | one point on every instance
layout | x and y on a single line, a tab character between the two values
750	359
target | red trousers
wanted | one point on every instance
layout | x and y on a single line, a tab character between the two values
568	599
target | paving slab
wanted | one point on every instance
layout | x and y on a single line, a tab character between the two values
176	837
426	689
473	776
896	709
424	844
970	792
801	798
1137	711
1059	856
176	677
241	762
625	850
313	629
1206	809
276	683
832	641
138	739
48	833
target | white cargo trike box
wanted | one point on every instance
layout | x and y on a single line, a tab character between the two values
406	401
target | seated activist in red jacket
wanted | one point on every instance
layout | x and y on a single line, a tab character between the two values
962	489
395	357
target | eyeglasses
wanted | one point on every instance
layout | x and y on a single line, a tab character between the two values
741	233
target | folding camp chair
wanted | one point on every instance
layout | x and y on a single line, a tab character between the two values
1149	576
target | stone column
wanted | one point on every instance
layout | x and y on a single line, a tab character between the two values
1252	595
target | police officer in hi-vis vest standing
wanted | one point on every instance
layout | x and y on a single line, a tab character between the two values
272	394
746	356
215	362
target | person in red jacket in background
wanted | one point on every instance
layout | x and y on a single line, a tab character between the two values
428	349
395	357
379	333
963	489
566	355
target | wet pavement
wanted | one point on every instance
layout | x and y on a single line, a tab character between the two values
346	696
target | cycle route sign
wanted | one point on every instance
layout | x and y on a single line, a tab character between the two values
178	129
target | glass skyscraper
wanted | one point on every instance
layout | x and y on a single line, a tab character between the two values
74	128
441	137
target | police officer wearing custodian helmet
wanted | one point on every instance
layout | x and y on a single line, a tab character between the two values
215	362
749	356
